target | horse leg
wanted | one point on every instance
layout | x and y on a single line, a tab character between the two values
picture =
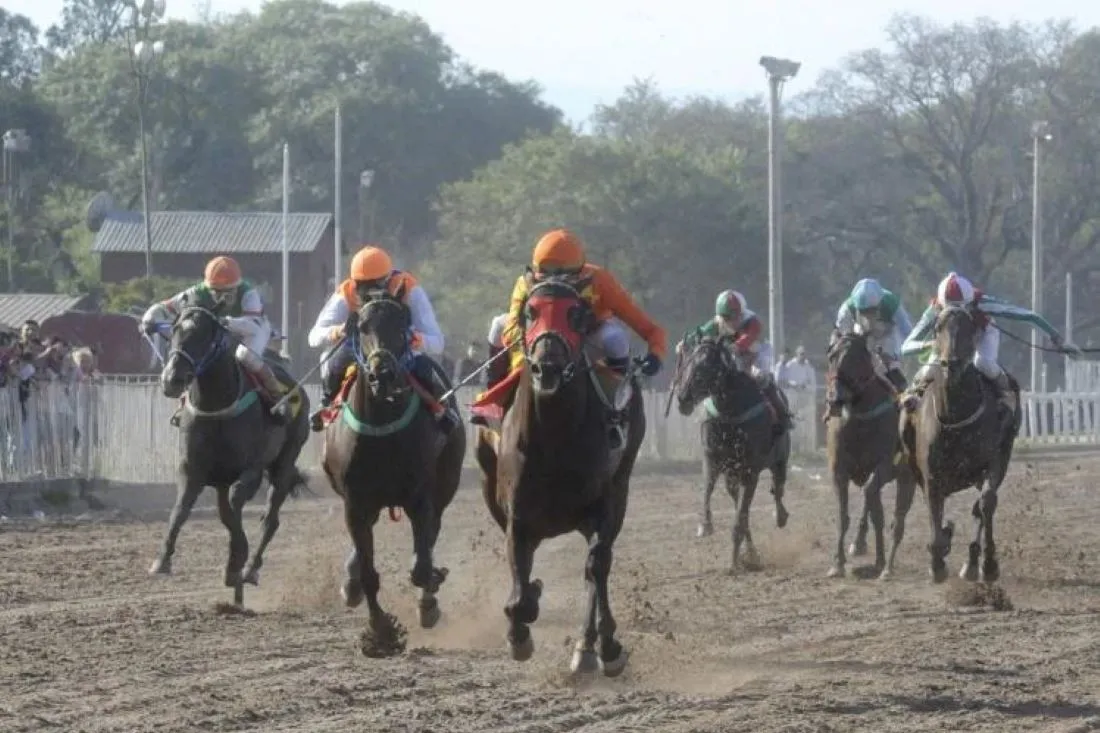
522	608
598	568
584	653
187	493
425	521
385	636
991	569
352	588
230	508
969	569
741	530
872	505
840	491
858	547
779	486
282	483
941	536
907	489
710	478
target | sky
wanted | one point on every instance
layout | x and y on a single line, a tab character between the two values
584	52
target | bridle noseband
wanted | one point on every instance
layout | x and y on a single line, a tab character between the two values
218	345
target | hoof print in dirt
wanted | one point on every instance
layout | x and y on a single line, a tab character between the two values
386	639
224	608
974	596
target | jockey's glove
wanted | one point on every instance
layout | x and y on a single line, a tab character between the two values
651	364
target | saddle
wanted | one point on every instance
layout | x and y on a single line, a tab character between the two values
330	413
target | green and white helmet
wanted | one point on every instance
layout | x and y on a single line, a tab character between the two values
730	305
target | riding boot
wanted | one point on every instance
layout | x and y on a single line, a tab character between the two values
616	436
424	373
330	387
275	392
783	418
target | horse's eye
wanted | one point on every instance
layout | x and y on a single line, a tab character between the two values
529	313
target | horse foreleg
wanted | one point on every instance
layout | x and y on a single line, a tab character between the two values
907	489
597	570
584	652
969	570
872	505
779	487
187	493
859	544
282	483
840	492
230	508
991	569
385	636
425	521
742	533
941	536
522	608
710	478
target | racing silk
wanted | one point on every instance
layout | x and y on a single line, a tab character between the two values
244	302
608	299
987	307
889	315
427	336
746	337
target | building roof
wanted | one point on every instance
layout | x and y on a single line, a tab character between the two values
211	232
15	308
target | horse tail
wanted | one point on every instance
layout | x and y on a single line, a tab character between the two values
301	483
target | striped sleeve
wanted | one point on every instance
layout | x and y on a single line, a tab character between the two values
1002	309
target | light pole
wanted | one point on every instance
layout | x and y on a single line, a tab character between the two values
143	58
778	71
366	234
15	142
1040	133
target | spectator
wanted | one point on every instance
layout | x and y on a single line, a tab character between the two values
467	364
799	372
779	371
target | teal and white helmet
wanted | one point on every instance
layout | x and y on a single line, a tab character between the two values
730	305
866	294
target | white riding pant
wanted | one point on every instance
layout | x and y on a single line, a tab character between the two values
889	344
986	354
611	338
254	333
763	357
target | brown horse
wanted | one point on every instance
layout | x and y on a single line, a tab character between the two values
960	436
861	445
385	450
550	469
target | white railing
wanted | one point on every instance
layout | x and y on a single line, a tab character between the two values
118	430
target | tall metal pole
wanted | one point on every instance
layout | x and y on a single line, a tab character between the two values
1038	132
9	181
286	251
775	232
338	203
1069	331
143	86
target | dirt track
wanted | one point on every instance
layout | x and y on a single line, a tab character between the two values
88	642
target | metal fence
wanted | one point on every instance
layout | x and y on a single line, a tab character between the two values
118	429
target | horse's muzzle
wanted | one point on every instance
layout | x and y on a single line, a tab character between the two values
548	377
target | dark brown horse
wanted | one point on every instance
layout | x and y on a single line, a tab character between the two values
738	439
550	470
861	445
960	436
385	450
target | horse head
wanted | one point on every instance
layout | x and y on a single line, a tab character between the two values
555	320
383	349
956	339
198	339
706	368
851	361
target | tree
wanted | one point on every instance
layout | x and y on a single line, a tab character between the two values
88	22
19	54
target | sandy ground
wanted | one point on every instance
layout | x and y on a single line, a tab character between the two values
89	642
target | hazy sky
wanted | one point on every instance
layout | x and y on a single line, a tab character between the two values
585	51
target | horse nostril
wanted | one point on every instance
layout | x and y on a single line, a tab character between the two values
536	369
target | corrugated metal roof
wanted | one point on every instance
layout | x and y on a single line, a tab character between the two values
186	232
15	308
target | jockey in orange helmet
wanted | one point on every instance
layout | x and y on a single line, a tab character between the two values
226	293
372	266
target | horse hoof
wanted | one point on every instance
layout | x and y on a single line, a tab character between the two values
232	578
857	550
524	650
614	667
536	585
886	574
429	616
252	576
751	562
991	572
161	566
781	517
352	594
706	529
584	660
836	571
969	572
939	575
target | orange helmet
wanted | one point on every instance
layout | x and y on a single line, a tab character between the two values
222	273
371	263
559	249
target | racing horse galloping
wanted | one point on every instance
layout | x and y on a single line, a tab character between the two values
551	468
738	437
385	450
228	440
960	436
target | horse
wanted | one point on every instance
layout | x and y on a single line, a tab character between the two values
384	450
960	435
551	469
228	440
737	436
861	445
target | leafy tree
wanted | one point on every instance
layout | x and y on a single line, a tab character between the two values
133	295
89	22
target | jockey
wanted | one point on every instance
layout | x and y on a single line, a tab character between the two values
373	266
560	252
956	290
877	312
226	294
733	318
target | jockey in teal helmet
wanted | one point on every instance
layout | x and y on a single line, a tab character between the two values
878	313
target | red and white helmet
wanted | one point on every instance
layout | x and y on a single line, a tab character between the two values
955	290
